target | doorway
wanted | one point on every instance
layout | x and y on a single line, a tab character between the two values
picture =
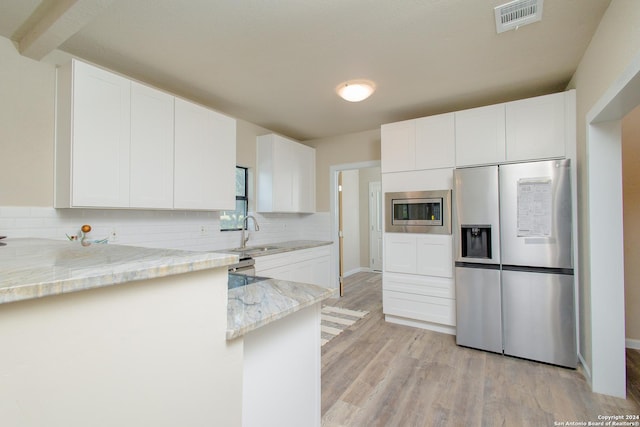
350	208
604	255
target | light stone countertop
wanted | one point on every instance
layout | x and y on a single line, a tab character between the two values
255	251
263	302
34	268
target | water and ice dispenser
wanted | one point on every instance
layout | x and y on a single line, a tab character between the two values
476	241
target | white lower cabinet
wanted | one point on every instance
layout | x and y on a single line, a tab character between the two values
424	254
311	265
418	282
417	306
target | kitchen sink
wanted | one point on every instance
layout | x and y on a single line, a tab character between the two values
253	250
238	280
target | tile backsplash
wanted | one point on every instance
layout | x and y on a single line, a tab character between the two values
188	230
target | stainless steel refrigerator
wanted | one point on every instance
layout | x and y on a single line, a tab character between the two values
514	264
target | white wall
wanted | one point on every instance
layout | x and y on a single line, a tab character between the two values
611	50
27	94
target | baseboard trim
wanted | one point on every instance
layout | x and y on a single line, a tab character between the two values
444	329
631	343
357	270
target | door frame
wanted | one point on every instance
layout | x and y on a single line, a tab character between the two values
333	208
378	216
604	254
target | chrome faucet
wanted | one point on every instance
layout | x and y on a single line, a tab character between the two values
243	242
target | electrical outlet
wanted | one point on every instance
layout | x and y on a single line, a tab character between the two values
203	230
113	235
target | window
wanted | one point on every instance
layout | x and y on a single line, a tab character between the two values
232	220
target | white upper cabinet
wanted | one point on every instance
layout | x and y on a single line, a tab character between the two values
435	142
425	143
204	158
151	184
536	127
285	175
528	129
480	135
93	135
121	144
304	186
398	146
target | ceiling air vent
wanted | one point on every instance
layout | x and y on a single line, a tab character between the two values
517	13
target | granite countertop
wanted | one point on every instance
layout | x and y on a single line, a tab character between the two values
276	248
260	303
34	268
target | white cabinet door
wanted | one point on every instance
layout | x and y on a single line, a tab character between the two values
400	253
222	189
435	255
536	127
151	183
321	271
480	135
398	142
304	179
435	142
204	158
283	168
311	265
101	129
286	175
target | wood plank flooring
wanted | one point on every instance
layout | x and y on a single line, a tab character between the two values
380	374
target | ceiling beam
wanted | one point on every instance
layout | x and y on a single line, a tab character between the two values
55	22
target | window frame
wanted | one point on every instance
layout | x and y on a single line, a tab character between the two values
242	197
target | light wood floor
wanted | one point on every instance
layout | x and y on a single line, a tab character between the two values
380	374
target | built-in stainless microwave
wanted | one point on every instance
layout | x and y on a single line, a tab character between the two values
418	212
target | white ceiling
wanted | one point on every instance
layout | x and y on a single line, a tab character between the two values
276	63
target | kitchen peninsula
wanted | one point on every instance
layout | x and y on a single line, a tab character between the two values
109	335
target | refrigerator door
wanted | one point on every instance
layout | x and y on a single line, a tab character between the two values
539	317
478	318
535	214
476	204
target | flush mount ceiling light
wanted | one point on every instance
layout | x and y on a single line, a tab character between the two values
355	90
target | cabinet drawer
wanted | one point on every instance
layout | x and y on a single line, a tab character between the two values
419	307
291	257
419	285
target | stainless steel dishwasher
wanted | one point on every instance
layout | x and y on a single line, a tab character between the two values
245	266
